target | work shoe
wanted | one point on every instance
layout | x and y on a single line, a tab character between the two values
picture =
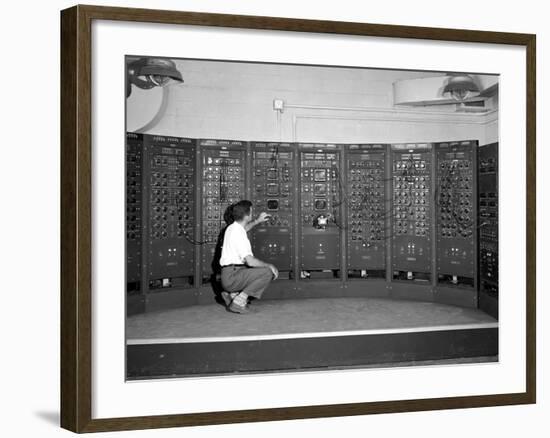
228	297
238	305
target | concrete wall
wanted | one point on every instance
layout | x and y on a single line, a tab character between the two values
235	101
491	126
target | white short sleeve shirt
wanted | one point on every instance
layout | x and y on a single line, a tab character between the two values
236	245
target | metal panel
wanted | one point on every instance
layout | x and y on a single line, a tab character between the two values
134	161
171	209
456	212
223	183
488	227
321	198
412	211
366	209
273	189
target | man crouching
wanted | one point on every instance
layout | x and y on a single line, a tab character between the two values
243	275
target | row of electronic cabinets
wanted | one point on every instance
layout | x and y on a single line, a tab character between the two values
399	212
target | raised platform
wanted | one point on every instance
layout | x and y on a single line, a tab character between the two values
303	334
296	289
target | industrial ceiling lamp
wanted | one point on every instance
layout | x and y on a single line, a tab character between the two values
461	87
146	73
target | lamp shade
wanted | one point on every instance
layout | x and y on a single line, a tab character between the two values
157	67
147	73
461	87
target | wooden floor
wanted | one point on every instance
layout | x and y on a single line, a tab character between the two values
279	319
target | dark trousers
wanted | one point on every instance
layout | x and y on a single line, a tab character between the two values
251	281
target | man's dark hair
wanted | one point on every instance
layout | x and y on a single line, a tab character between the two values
241	209
228	215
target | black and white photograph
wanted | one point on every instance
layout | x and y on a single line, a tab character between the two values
294	217
275	219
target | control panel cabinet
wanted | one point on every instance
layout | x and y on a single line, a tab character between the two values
366	210
411	211
273	189
455	212
321	199
422	213
171	208
488	223
134	173
223	165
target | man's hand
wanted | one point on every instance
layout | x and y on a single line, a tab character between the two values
263	217
275	271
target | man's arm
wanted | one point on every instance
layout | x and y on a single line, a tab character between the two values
261	218
253	262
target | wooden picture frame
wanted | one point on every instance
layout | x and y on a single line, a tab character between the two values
76	217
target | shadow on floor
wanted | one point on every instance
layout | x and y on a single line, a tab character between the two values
51	417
